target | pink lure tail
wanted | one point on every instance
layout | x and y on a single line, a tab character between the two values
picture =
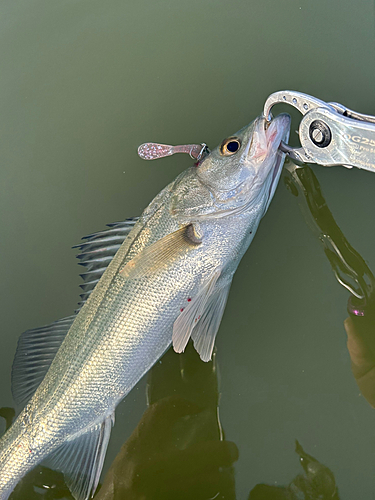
152	150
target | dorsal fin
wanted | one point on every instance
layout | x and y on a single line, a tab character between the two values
97	252
35	352
37	347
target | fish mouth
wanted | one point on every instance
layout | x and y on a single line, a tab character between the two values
267	137
263	150
277	132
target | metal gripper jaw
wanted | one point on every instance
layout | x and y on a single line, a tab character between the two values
330	134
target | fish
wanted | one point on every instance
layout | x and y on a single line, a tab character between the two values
167	282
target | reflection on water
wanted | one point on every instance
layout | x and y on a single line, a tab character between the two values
42	483
350	270
178	449
318	482
8	415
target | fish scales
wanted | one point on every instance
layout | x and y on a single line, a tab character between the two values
158	275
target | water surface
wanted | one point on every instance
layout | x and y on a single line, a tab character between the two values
83	83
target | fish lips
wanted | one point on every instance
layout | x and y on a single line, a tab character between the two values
263	156
266	139
279	132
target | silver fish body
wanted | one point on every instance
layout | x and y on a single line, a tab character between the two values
168	281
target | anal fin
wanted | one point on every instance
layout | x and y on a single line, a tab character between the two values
81	459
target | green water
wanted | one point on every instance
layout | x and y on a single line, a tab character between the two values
83	83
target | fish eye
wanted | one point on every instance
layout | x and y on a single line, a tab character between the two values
230	146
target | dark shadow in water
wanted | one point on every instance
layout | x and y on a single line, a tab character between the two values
8	415
317	483
178	450
350	270
41	483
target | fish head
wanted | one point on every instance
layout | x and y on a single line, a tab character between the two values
247	165
243	171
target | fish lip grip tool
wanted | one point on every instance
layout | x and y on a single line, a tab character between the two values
330	134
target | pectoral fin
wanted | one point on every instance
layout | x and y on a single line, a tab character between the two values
160	254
